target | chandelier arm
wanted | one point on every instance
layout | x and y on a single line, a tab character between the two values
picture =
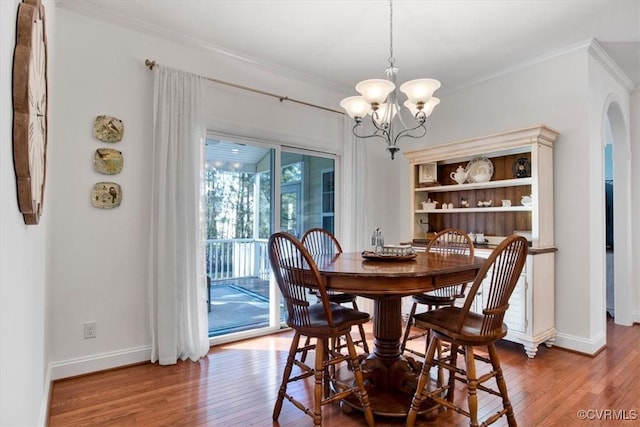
386	130
385	135
407	133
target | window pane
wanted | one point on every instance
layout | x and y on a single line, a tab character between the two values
327	223
312	180
291	173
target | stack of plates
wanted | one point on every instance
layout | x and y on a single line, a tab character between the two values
400	250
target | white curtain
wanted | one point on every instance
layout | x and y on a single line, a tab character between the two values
177	285
355	197
355	190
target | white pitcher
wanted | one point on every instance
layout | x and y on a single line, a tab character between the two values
460	175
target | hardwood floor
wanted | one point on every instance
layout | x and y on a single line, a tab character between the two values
549	390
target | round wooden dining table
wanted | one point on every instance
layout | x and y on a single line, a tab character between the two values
392	377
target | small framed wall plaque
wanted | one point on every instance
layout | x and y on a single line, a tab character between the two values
106	195
108	129
107	161
428	174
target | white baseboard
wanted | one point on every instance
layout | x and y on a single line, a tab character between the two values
636	317
98	362
46	400
580	344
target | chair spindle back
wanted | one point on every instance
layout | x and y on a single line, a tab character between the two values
320	241
296	272
451	241
502	268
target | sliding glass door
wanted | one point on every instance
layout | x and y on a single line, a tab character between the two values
307	192
242	183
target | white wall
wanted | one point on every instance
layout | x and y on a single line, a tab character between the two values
609	112
634	114
23	344
98	258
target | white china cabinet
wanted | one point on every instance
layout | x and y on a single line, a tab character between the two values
512	192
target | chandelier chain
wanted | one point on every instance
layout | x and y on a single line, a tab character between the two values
391	58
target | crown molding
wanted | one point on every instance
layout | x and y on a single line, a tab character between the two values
93	10
522	65
592	46
600	55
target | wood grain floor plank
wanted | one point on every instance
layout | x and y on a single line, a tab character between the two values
237	384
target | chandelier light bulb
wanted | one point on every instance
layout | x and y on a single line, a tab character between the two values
427	109
356	106
420	90
411	107
430	105
375	91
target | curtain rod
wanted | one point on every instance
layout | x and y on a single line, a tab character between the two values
150	64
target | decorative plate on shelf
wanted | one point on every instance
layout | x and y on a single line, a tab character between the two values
375	256
479	169
521	168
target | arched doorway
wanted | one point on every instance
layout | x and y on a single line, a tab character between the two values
615	132
609	206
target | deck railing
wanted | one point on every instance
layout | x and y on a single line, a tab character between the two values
237	258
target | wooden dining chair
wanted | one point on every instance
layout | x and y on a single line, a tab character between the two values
319	241
462	328
296	272
447	241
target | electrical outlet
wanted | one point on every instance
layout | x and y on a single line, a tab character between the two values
90	330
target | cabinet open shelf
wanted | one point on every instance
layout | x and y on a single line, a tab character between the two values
476	185
470	210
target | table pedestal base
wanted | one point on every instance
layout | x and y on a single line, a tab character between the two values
390	377
391	388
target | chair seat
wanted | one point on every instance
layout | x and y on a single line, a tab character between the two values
444	321
343	319
427	299
341	298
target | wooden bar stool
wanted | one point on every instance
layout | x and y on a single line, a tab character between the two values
465	329
447	241
296	273
319	241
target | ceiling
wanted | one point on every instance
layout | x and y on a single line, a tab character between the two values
232	156
342	42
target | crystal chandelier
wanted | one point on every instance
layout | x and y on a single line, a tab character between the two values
379	100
